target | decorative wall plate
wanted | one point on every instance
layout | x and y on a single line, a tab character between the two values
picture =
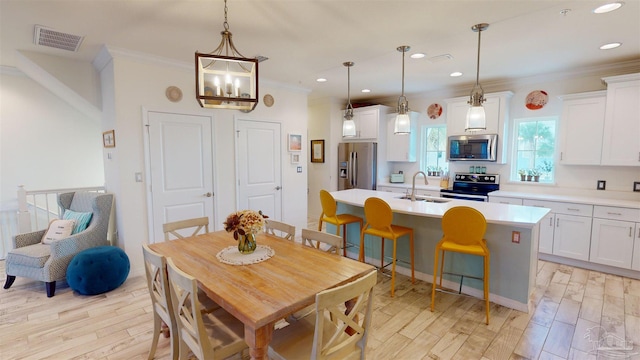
268	100
173	93
536	100
434	111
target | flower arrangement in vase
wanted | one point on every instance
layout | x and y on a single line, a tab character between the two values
245	224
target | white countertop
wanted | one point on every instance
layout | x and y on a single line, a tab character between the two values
577	199
503	214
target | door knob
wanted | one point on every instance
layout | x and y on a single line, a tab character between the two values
208	194
278	188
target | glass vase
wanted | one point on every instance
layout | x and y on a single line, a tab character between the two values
247	243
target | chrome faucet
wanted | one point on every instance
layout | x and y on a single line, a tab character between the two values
413	187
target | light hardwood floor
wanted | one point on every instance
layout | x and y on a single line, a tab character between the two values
566	304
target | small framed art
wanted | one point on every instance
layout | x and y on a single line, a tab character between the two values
295	158
317	151
295	142
109	139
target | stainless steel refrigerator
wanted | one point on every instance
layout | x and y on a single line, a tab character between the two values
357	165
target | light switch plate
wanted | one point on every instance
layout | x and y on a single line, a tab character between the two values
636	186
601	184
299	169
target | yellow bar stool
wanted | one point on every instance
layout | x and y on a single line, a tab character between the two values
379	217
329	208
464	229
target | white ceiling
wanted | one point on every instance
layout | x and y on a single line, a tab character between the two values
307	39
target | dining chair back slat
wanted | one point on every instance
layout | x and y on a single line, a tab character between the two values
171	228
280	229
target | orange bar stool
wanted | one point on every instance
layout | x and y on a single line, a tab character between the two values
464	230
329	208
379	217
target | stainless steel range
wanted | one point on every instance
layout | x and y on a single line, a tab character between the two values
472	186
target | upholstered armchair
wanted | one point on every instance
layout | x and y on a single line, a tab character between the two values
33	259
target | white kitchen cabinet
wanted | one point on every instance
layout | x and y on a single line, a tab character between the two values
621	137
547	224
496	108
613	235
635	264
368	121
571	228
432	193
504	200
581	126
402	147
392	189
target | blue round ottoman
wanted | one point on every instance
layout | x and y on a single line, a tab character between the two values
98	270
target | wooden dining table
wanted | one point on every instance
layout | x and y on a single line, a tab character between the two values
260	294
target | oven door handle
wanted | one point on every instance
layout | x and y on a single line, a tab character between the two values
454	195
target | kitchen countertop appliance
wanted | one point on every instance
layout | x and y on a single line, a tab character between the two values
474	187
357	165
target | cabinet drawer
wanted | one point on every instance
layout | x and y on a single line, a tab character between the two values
616	213
562	207
505	200
391	189
433	193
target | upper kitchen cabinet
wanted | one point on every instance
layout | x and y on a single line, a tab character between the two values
402	147
621	139
581	128
496	108
369	121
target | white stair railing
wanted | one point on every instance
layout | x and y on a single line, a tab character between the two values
35	209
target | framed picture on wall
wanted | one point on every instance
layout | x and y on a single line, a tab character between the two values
317	151
109	139
295	158
295	142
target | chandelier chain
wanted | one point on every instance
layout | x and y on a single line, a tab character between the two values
478	63
226	23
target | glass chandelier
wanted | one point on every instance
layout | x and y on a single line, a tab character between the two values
476	119
226	79
403	122
348	125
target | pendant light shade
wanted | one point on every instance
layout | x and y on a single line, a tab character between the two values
348	125
225	79
403	122
476	119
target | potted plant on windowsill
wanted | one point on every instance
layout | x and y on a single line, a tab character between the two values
522	173
535	173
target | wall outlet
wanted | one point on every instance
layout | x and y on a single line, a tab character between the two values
515	237
601	184
636	186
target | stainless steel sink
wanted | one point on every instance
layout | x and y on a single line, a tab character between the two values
430	199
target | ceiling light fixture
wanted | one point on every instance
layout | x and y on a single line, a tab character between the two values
321	80
608	7
610	46
226	79
476	119
455	74
418	56
403	122
348	125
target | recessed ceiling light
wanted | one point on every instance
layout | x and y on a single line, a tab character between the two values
455	74
366	90
417	56
608	7
610	46
321	80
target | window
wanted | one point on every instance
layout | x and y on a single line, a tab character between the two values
535	145
434	149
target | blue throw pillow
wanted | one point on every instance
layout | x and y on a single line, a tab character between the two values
82	219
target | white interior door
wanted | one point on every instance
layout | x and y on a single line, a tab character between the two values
258	159
181	167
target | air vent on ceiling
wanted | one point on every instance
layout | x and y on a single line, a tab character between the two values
55	39
439	58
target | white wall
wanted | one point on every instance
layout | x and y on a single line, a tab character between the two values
569	178
131	84
44	142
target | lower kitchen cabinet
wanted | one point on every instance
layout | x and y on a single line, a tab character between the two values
571	236
612	242
547	225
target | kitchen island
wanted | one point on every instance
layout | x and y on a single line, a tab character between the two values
513	264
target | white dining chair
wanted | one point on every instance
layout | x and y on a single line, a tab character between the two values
280	229
209	336
317	239
337	330
198	224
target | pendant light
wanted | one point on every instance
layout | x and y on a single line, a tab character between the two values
403	122
348	125
226	79
476	119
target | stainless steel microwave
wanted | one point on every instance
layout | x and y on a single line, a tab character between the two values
472	147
